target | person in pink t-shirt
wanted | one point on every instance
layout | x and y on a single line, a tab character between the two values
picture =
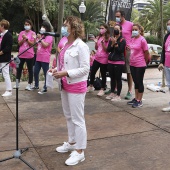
61	44
126	33
92	57
26	39
101	58
43	55
165	60
139	58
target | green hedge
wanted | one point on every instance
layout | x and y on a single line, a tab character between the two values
153	40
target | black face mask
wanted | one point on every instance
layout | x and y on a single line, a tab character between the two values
116	32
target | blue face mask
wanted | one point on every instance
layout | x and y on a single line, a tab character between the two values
64	31
168	28
135	33
118	20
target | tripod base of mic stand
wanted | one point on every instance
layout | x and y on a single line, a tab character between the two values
17	155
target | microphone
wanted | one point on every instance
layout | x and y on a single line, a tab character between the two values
50	34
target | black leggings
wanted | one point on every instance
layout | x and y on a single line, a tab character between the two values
29	66
103	69
115	72
137	76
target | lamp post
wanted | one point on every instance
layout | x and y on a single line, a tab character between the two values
82	9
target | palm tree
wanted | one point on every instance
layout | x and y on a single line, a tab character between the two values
150	17
92	17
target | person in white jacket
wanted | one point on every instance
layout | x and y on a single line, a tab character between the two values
72	71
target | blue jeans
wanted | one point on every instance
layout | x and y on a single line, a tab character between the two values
37	68
167	75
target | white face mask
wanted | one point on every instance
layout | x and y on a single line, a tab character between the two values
135	33
64	31
168	28
27	27
42	30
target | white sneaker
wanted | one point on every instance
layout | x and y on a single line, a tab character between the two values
101	93
16	86
6	94
110	96
28	87
90	89
167	109
116	98
75	158
66	147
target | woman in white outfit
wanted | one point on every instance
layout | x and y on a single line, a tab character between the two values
72	70
6	41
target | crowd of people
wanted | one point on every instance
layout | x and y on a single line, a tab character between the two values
124	49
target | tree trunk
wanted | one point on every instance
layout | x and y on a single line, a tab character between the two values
43	9
60	16
162	37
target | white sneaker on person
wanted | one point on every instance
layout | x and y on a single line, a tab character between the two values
16	86
116	98
6	94
110	96
101	93
28	87
167	109
75	158
90	89
66	147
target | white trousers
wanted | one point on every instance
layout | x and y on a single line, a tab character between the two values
5	72
73	108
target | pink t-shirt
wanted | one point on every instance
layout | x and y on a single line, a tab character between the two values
0	39
44	53
101	56
127	31
167	52
92	57
80	87
62	42
30	36
138	46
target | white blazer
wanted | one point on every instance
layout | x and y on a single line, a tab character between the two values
77	62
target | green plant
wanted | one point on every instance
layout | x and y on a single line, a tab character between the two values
15	48
153	40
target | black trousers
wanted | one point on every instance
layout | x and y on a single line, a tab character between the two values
115	73
29	63
137	76
103	70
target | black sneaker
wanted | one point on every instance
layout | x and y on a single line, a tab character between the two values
35	88
137	104
42	91
132	102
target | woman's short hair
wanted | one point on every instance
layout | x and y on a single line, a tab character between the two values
140	28
5	24
47	26
77	25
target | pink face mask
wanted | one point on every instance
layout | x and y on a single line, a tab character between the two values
102	31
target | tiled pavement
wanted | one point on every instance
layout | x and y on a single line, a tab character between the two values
119	136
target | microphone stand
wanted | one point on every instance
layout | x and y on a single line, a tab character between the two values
17	154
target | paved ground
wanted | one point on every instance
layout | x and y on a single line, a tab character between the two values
119	137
